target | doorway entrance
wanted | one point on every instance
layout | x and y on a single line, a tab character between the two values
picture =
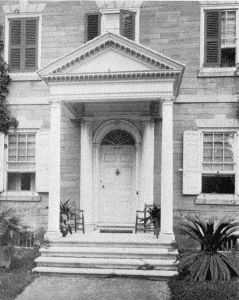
117	178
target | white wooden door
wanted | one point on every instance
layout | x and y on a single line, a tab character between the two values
117	185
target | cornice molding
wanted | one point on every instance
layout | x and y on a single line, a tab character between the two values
23	7
111	76
118	4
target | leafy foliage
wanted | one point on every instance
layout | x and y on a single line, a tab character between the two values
5	116
65	214
9	223
153	218
208	263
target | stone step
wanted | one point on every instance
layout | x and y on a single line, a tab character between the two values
110	252
106	263
161	274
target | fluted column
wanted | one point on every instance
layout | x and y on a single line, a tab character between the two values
166	233
53	230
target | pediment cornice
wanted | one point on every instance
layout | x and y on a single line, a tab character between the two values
161	66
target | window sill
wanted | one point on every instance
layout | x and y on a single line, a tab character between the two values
218	199
20	196
25	76
217	72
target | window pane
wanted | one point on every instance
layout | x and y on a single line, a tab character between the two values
207	155
217	167
218	184
26	181
207	167
22	138
12	181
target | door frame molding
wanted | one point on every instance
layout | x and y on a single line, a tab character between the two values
98	136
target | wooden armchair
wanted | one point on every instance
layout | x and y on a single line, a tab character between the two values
140	215
77	221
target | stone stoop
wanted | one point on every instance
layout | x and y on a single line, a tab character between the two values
140	255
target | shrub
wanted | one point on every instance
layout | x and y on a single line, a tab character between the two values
208	263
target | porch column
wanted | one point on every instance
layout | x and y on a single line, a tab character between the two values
147	170
166	233
86	180
53	230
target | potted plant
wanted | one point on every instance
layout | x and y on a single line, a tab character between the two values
9	224
65	214
209	263
153	218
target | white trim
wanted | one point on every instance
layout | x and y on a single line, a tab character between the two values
217	123
111	125
117	11
98	136
21	76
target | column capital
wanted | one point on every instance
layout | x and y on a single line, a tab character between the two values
55	102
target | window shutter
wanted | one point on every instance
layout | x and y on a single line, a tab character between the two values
15	41
192	161
31	44
212	38
42	160
93	26
2	160
127	24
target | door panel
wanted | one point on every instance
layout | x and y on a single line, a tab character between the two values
117	204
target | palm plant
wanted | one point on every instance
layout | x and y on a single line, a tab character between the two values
209	263
65	214
153	218
9	223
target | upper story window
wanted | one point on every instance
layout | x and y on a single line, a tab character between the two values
220	38
123	22
219	53
23	44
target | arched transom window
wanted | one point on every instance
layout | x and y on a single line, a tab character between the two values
118	137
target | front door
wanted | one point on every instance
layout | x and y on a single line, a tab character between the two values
117	185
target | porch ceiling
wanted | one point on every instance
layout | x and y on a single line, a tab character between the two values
111	67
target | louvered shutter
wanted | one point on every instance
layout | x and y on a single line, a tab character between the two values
15	45
212	38
2	160
31	44
23	45
127	24
192	162
42	160
93	26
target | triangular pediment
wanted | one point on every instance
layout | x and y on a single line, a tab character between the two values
109	54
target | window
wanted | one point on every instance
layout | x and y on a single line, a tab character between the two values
220	38
218	165
23	44
121	22
21	162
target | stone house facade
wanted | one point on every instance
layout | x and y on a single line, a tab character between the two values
121	104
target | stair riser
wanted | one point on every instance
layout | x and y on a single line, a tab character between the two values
106	266
110	255
110	245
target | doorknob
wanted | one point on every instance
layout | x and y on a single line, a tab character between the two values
103	186
137	193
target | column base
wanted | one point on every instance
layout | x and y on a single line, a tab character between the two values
52	235
167	238
89	227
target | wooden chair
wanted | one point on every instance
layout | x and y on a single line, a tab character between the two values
140	215
77	221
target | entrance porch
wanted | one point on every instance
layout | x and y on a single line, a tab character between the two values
115	179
